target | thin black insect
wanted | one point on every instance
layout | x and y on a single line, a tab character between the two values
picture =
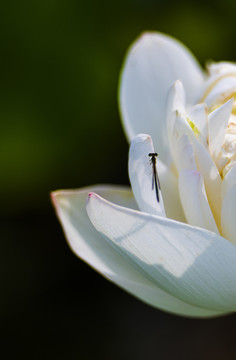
155	179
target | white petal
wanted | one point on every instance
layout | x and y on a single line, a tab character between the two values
221	68
152	64
217	124
185	155
194	200
140	183
218	89
195	115
140	172
199	117
170	192
149	199
180	127
175	101
193	264
228	181
212	179
228	211
93	248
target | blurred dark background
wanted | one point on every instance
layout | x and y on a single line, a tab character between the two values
59	65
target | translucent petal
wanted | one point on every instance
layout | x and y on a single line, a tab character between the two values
194	200
168	181
180	127
175	101
217	124
142	177
221	68
152	64
185	155
219	88
212	179
228	211
198	115
193	264
94	249
228	181
170	192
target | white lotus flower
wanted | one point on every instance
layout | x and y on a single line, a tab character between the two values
181	261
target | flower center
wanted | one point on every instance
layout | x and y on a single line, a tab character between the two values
228	153
226	157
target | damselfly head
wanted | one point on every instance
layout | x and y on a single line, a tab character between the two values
153	154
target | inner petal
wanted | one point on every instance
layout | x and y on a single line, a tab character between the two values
143	175
194	200
217	123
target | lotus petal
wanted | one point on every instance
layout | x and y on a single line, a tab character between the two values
94	249
195	265
152	64
149	198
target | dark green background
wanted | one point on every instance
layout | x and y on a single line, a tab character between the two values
60	128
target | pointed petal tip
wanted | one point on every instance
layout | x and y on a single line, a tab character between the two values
55	200
143	40
56	194
92	199
147	36
53	195
141	138
178	83
91	195
231	100
59	198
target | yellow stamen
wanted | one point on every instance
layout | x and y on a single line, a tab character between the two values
193	127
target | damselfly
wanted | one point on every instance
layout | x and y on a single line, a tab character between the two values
155	179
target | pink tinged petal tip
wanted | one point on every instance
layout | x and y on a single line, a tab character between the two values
91	194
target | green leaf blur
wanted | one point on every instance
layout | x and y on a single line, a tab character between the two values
60	64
